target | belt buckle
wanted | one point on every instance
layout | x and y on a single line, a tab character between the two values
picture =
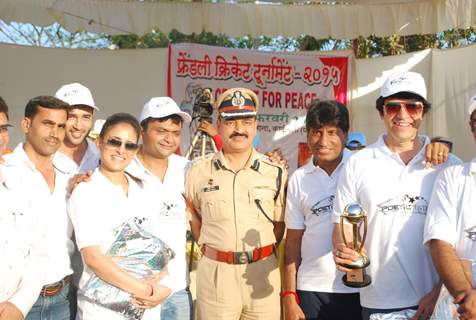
243	257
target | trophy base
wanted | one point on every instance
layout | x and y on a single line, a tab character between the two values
356	278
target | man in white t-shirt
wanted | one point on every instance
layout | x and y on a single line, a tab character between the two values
22	255
163	174
450	228
77	154
30	169
389	180
313	288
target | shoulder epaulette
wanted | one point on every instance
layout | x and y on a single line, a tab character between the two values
199	160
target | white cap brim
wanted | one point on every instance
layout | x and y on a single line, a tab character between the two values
186	118
472	105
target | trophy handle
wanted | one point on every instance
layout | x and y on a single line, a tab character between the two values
364	235
342	230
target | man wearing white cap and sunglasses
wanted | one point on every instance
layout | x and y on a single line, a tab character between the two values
391	183
162	173
78	153
450	229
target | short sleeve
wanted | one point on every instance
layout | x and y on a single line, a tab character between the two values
83	212
346	190
190	195
294	216
441	219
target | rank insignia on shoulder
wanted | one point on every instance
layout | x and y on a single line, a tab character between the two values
211	188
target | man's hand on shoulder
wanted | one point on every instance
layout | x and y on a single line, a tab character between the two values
276	156
436	153
77	179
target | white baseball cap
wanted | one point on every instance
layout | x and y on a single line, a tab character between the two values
405	81
160	107
96	130
76	94
472	105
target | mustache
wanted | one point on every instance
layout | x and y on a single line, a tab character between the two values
54	140
236	134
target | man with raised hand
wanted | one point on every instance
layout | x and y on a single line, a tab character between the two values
391	183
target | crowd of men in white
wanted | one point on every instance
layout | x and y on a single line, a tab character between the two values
420	225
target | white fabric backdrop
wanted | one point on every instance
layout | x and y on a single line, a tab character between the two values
362	17
123	80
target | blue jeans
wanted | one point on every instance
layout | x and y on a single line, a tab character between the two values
61	306
178	306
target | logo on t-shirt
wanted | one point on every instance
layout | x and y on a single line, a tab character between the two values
404	204
471	233
168	209
323	206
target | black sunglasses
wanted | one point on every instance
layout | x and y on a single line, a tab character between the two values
116	143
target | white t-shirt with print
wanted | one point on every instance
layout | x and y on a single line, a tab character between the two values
169	221
97	208
309	204
451	215
395	197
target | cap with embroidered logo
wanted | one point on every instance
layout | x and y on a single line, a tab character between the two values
405	81
75	94
237	103
161	107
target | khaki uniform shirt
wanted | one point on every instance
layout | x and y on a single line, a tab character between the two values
226	200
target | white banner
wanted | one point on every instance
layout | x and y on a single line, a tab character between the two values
285	83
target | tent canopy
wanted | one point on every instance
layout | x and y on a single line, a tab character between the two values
322	19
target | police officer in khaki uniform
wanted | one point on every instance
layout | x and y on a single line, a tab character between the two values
236	203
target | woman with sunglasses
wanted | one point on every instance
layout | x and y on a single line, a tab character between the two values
99	206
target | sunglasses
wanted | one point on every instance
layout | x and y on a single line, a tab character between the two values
116	143
413	108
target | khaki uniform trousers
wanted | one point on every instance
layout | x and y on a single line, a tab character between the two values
238	292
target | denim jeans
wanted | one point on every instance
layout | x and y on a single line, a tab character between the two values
178	306
61	306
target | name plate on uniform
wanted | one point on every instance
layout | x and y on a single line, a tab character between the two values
210	189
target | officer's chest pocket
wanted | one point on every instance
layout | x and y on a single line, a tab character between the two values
214	205
262	199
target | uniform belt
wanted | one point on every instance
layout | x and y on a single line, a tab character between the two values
240	257
53	289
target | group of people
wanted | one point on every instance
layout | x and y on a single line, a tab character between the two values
238	204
